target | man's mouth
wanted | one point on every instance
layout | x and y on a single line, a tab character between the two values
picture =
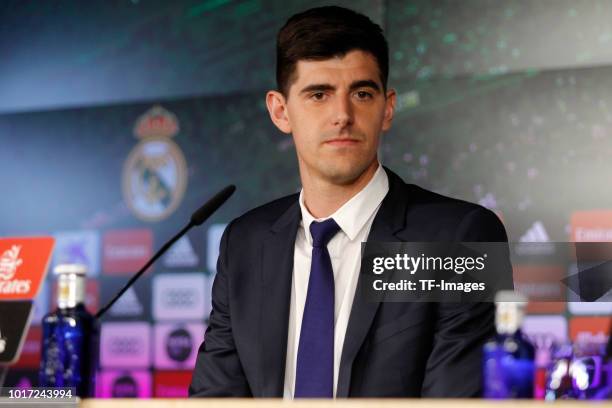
342	141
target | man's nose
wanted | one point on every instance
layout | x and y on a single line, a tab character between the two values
343	111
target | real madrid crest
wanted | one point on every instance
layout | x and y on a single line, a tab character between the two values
155	172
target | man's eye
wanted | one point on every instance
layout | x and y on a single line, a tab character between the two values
364	95
317	96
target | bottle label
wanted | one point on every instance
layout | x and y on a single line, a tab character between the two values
70	290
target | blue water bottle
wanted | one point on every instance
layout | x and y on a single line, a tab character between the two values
70	334
508	358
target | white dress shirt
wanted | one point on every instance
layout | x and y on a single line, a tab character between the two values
355	219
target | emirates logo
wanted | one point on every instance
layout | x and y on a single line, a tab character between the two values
9	262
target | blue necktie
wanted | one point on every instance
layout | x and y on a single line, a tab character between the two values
314	376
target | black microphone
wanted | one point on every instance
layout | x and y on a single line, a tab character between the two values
197	218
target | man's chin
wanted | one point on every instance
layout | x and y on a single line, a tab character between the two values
345	177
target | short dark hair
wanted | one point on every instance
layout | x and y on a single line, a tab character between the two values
325	32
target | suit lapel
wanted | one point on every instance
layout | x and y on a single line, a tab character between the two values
388	222
276	274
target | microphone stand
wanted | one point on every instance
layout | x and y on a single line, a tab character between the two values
197	218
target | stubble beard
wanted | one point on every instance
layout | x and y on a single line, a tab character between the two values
344	173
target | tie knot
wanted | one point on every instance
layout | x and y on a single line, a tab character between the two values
323	232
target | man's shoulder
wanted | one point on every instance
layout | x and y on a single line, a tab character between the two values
422	200
443	217
425	199
265	216
463	219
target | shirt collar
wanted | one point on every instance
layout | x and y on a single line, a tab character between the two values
355	213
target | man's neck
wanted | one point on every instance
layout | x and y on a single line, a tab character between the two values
323	198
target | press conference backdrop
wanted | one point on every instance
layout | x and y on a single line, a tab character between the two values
118	119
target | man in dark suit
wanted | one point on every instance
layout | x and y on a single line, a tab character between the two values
288	316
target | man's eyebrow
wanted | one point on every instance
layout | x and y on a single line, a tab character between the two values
317	88
365	83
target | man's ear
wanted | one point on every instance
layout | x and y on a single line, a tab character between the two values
277	108
389	109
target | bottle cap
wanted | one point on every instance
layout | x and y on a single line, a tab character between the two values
66	269
510	296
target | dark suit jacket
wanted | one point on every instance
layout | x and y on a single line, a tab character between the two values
390	349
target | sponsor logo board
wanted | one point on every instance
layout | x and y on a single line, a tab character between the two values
124	384
78	247
125	344
176	344
127	305
133	304
554	326
126	251
534	242
589	329
171	384
182	254
591	226
23	265
180	296
535	233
